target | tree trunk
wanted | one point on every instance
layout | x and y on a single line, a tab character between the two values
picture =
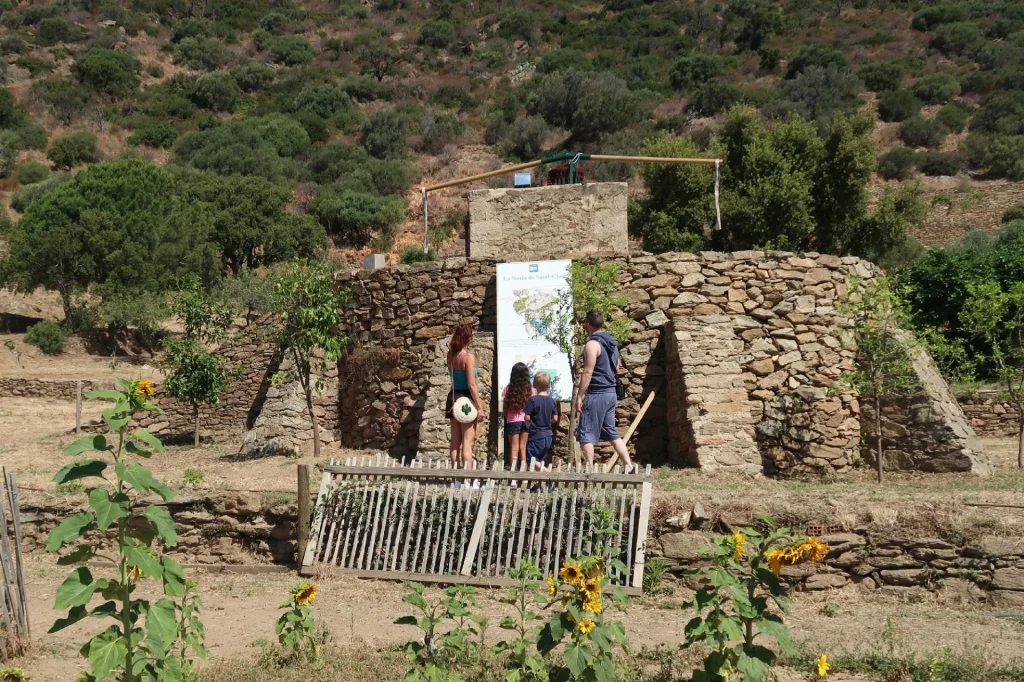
195	441
1020	438
878	431
573	452
313	419
65	297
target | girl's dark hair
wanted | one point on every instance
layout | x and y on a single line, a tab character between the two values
460	339
519	388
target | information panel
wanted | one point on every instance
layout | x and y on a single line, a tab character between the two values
525	291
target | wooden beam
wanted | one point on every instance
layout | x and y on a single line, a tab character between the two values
478	530
650	159
303	521
641	537
483	176
458	474
632	428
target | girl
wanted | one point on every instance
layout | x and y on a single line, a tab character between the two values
462	370
514	399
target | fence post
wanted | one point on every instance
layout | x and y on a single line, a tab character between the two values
302	523
78	407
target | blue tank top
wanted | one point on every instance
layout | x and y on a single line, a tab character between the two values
604	378
460	380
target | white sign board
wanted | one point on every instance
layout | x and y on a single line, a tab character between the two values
522	287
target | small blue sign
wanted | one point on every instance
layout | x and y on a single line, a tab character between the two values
534	267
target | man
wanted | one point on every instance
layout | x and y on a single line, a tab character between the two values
596	397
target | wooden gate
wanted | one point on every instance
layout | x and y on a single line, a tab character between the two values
419	521
14	626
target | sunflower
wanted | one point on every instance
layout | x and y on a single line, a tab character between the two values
571	573
593	605
775	560
552	587
592	588
144	388
305	594
823	665
134	573
739	544
595	570
14	675
586	625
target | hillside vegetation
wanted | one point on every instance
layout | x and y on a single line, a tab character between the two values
149	141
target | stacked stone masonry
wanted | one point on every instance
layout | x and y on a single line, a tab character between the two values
989	415
990	566
779	305
17	387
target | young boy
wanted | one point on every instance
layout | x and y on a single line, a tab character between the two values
541	413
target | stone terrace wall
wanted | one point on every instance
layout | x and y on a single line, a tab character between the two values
988	415
18	387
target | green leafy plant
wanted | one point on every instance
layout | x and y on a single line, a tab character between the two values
654	576
138	645
884	371
309	307
191	631
734	605
193	477
48	336
296	628
431	655
525	665
829	610
10	345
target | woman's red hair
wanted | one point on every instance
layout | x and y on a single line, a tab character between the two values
460	339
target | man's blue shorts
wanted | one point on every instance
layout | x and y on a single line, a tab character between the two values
539	449
597	421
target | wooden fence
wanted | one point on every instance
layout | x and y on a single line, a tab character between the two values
14	600
420	521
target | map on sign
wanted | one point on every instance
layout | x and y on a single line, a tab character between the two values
525	292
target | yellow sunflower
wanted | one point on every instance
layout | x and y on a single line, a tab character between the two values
586	625
144	388
306	594
593	605
739	545
571	573
134	573
595	570
823	666
774	560
552	587
592	588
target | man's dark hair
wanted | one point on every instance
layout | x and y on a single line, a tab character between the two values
595	319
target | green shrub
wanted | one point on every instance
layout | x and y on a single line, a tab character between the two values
441	131
956	38
1013	213
1011	76
496	52
253	76
383	134
769	59
322	100
921	132
455	97
190	28
936	88
822	91
352	217
525	137
313	125
205	53
254	146
9	112
1003	155
115	73
217	91
898	105
565	59
437	33
261	39
65	99
31	172
34	65
587	103
12	44
416	254
159	135
694	70
954	116
155	70
48	336
897	164
365	88
24	196
518	23
274	22
55	30
1001	113
31	136
291	50
73	150
930	17
815	54
940	163
882	76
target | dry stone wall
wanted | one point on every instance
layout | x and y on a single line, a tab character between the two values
775	311
18	387
560	221
989	415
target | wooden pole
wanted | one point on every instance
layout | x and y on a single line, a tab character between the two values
632	428
482	176
78	407
304	511
650	159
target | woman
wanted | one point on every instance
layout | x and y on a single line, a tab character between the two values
462	370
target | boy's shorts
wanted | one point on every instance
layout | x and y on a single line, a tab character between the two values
512	428
539	450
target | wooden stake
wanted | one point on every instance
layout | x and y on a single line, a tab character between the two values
632	428
78	407
304	510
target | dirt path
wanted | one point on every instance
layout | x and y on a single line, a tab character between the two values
241	609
